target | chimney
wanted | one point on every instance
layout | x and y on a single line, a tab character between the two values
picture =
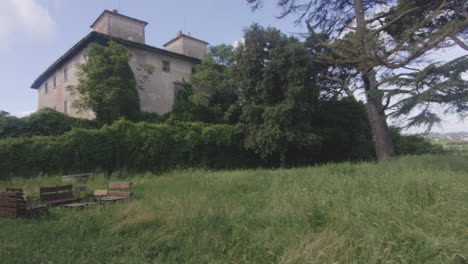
187	45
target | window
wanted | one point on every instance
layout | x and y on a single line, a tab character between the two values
65	74
46	87
166	66
193	70
65	107
54	81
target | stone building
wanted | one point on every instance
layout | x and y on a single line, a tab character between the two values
173	65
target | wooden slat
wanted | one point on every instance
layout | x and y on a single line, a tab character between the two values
8	215
9	199
14	190
9	194
63	195
80	189
56	188
64	188
120	194
8	209
48	189
111	199
5	204
120	185
48	196
74	205
63	201
100	192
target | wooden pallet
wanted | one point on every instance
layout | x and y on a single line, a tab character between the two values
11	204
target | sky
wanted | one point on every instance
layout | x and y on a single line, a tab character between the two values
34	33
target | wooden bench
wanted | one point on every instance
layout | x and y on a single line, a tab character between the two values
83	178
14	204
120	189
117	191
57	195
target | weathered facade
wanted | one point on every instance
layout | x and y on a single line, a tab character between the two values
173	65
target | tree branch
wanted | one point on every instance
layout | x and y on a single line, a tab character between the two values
343	83
459	42
313	34
385	106
346	25
392	78
387	25
391	12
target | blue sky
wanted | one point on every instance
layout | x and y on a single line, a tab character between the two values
34	33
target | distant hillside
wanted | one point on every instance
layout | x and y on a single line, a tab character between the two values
435	135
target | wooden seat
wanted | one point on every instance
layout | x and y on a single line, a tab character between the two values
57	195
100	193
120	189
117	191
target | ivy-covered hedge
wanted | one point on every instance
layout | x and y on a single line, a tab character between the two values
128	146
143	146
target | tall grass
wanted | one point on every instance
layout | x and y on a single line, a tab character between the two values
411	210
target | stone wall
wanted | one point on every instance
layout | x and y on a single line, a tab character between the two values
156	93
126	29
56	96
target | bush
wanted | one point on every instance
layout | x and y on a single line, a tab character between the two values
45	122
127	146
346	131
50	142
413	144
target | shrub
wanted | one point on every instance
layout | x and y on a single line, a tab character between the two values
127	146
413	144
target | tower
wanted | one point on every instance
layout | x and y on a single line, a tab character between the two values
118	25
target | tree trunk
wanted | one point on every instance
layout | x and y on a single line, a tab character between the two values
380	133
282	160
375	113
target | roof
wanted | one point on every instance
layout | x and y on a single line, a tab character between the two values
118	14
96	37
185	36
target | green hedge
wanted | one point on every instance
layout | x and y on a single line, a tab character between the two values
143	146
126	145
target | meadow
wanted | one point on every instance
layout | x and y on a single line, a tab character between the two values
413	209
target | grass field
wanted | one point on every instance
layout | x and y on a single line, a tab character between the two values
411	210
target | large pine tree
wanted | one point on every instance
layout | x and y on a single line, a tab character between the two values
365	43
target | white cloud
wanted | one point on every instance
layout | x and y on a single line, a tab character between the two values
18	17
